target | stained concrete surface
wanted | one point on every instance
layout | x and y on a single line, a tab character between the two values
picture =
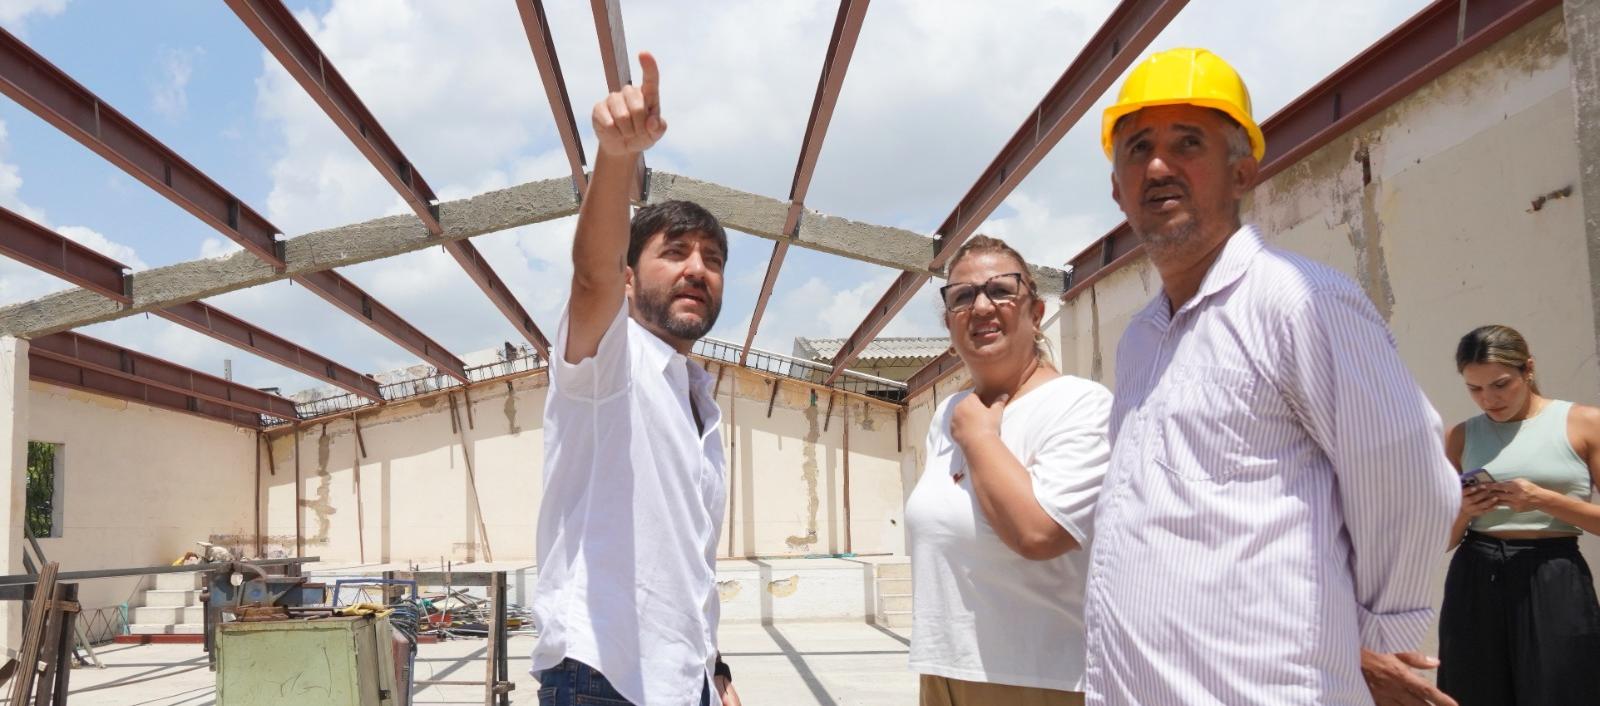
774	665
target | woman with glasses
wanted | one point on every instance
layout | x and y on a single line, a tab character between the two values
999	521
1520	623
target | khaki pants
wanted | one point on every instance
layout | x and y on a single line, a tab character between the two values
940	691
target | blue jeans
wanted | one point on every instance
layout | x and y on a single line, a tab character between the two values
573	683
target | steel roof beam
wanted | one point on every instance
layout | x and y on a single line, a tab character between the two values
537	28
34	82
1132	25
104	357
846	29
615	61
277	29
49	251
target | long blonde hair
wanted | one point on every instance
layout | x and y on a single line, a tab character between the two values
979	244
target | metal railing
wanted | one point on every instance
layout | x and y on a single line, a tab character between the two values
710	349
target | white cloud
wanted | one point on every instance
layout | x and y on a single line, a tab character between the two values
21	282
218	247
15	13
169	90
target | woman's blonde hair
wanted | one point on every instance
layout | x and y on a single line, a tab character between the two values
979	244
1496	344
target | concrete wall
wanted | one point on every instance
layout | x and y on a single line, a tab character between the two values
786	488
1472	215
140	485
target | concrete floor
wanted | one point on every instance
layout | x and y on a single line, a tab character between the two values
789	665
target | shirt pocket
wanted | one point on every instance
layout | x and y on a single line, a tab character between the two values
1204	412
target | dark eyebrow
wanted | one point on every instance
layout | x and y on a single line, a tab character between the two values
1189	129
1141	133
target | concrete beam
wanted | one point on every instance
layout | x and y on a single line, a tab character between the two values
764	217
534	202
1582	21
521	205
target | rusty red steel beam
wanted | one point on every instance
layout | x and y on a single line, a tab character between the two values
537	28
49	251
53	253
932	372
55	371
1131	26
111	359
1419	50
846	30
1433	41
353	300
277	29
615	61
39	86
31	80
230	329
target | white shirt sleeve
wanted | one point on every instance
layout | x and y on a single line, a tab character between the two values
602	375
1397	492
1070	461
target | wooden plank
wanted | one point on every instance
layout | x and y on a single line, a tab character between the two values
33	635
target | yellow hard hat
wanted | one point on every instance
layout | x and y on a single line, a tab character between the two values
1185	76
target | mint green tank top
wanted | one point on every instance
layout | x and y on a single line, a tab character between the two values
1536	449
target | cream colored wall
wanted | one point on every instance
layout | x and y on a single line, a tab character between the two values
1444	238
786	489
140	485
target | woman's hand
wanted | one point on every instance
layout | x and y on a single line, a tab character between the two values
1477	500
972	419
1520	495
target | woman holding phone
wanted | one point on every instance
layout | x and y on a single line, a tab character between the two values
999	521
1520	623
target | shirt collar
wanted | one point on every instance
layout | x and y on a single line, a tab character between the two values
1231	264
662	356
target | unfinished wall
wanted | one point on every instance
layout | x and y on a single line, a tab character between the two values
139	485
1458	206
786	490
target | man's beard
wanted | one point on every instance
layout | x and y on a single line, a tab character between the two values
655	307
1169	240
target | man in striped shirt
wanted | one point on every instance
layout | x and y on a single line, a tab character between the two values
1278	493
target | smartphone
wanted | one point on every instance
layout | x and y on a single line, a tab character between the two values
1476	476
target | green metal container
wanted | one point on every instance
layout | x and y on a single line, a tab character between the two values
337	661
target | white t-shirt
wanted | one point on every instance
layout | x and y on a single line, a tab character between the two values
633	503
981	612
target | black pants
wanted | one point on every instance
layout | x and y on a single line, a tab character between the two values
1520	624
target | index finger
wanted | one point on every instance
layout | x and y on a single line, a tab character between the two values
651	87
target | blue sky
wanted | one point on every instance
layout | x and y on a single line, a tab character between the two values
935	89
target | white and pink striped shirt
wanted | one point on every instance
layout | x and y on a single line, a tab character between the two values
1277	499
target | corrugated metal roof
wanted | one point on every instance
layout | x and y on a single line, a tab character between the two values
879	349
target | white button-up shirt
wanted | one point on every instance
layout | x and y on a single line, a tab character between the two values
1277	499
633	502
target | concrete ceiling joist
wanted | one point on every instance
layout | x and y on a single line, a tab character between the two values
276	28
521	205
50	93
101	356
846	29
537	28
1132	25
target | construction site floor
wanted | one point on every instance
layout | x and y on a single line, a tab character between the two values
792	664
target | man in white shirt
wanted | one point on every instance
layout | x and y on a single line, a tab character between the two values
1278	495
634	493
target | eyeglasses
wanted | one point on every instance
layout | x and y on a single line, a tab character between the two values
1000	289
